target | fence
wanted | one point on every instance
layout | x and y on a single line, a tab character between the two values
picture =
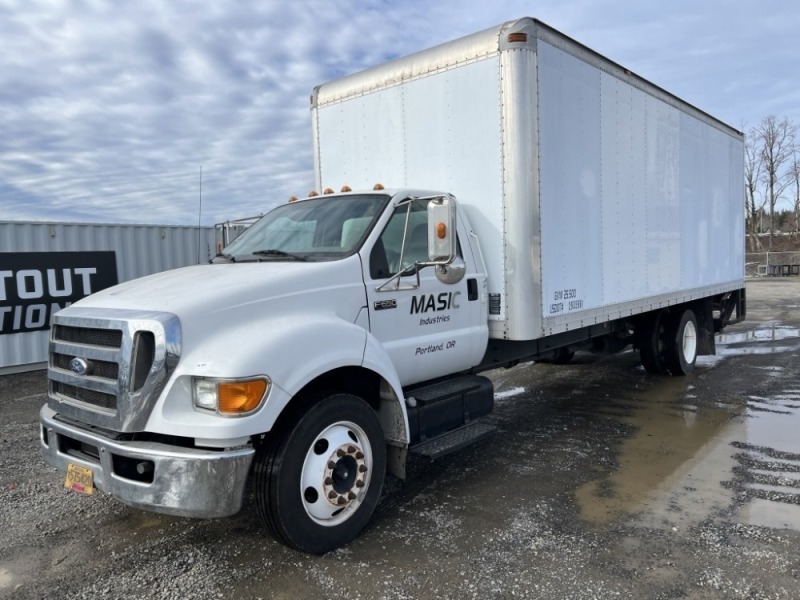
772	264
228	231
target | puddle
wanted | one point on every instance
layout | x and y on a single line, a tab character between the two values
677	469
761	340
774	333
774	429
677	446
776	515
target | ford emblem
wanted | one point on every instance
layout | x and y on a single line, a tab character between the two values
80	366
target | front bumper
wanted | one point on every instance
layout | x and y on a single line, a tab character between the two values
188	482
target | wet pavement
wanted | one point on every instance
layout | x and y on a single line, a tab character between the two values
601	482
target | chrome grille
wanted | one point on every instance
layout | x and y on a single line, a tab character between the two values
127	358
99	399
101	368
107	338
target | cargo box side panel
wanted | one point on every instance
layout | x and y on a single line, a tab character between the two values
663	218
570	182
440	131
712	225
641	202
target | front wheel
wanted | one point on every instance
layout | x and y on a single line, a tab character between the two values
317	484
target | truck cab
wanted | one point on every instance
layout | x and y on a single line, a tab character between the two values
289	358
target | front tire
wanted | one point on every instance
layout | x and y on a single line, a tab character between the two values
318	482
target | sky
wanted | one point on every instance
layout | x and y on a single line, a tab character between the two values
176	112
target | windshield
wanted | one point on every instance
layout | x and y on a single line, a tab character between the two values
322	228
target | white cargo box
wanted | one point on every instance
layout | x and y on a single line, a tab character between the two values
594	193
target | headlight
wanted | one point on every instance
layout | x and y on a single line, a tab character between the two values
231	397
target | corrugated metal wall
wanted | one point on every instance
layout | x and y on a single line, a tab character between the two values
140	250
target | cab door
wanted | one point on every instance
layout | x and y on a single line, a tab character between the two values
428	328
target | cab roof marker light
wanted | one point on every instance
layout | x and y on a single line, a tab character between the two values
327	191
346	188
377	186
313	193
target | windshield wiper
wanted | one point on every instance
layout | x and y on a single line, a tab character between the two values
281	253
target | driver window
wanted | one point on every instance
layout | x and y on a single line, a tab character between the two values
385	258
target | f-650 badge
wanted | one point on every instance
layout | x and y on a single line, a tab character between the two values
385	304
432	302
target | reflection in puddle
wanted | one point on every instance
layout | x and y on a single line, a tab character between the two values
687	460
773	333
755	341
770	461
765	513
671	443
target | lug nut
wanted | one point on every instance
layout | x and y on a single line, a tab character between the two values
359	455
351	495
331	464
359	484
328	481
341	500
362	468
331	494
351	449
340	452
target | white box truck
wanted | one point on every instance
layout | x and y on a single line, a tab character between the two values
540	199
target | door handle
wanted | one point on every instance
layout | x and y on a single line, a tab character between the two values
472	289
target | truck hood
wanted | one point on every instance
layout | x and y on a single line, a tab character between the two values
214	288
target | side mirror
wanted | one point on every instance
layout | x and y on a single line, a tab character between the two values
442	230
453	272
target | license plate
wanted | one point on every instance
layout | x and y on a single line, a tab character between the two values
79	479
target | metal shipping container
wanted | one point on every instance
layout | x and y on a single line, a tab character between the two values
138	250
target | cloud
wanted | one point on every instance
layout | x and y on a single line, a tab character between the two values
109	110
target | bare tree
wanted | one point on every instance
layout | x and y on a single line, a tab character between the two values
754	199
795	177
776	143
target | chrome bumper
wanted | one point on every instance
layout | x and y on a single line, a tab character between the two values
178	481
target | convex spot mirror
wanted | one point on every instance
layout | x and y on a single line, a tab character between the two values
453	272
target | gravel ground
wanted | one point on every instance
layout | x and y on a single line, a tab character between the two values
600	482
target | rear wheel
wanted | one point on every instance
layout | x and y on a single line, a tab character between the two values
564	356
652	342
681	351
317	483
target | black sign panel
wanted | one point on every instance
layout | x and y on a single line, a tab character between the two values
34	285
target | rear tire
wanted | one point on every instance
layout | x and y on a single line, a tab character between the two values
652	342
318	482
681	351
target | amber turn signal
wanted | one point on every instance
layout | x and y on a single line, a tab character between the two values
441	231
237	397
